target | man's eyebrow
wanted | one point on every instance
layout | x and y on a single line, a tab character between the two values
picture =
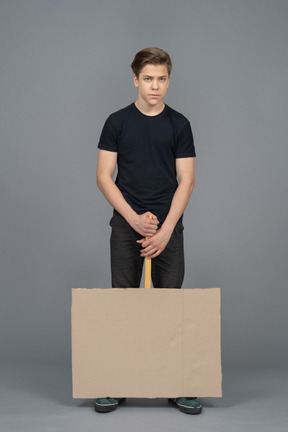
150	76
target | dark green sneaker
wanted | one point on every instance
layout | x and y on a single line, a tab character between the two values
108	404
188	405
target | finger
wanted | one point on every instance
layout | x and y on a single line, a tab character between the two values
153	221
151	218
157	253
143	248
148	252
150	226
147	248
154	218
149	235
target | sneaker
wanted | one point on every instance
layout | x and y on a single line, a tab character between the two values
188	405
108	404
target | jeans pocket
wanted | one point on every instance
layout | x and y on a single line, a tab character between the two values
179	227
112	221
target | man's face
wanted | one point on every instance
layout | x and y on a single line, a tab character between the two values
153	83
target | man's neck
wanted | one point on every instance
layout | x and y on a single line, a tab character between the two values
148	109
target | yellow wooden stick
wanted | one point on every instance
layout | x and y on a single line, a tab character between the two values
148	268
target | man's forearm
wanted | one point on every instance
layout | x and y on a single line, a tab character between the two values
114	196
178	204
140	223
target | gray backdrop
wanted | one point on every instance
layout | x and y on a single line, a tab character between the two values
65	66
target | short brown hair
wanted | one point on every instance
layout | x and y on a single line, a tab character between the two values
151	56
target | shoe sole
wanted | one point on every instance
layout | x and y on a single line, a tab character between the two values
185	409
107	407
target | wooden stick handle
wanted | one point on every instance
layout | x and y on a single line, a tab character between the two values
148	268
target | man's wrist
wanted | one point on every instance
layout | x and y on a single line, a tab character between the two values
131	217
168	227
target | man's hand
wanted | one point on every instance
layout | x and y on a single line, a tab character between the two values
156	244
144	225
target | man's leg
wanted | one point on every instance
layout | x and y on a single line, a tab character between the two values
126	272
168	272
168	267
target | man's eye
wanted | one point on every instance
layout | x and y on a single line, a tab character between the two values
147	79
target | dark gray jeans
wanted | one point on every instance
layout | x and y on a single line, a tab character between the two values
127	264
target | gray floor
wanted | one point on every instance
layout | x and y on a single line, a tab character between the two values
38	398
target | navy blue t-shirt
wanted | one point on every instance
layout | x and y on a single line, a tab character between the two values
147	147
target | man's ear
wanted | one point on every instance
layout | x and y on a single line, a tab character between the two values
136	81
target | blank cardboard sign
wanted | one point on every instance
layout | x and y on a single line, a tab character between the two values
146	343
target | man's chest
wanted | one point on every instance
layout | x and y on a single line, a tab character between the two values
142	139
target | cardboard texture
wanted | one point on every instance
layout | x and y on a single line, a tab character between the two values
129	342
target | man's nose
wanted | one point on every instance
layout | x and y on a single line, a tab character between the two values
155	84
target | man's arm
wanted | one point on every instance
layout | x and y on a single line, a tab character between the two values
185	168
106	166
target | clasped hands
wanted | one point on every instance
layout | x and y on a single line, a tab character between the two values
158	238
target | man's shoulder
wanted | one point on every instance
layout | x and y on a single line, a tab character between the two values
121	113
178	118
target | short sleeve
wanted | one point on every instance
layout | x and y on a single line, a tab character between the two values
185	142
108	137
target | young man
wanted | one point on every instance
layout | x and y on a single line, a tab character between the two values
152	146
